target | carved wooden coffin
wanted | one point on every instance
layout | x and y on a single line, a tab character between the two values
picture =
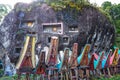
73	59
27	57
95	59
98	62
115	57
91	63
53	51
83	58
65	64
40	69
107	63
99	65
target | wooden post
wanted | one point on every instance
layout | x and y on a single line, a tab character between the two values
19	75
73	73
27	76
64	64
99	64
73	62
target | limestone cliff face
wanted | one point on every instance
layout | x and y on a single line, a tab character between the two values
7	32
91	26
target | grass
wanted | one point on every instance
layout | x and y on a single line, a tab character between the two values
11	77
116	77
15	77
7	78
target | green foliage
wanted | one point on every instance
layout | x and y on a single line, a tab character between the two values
11	77
114	11
1	72
15	77
4	9
106	14
106	4
61	4
7	78
116	77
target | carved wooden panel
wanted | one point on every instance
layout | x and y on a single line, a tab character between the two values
41	65
66	58
73	59
52	55
99	65
116	57
27	58
91	63
84	59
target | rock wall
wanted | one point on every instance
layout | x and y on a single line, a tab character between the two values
93	26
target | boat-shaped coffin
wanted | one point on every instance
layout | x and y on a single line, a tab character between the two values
83	58
40	69
53	51
73	58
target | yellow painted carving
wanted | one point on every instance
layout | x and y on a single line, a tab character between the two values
116	57
22	53
33	51
84	60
